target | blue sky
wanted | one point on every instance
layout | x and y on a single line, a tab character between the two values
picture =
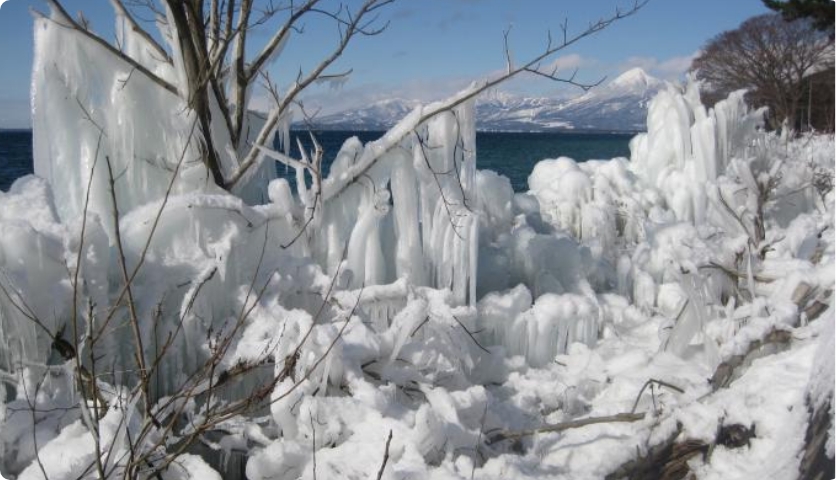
432	48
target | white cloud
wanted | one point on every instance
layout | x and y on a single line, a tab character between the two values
678	65
673	68
566	62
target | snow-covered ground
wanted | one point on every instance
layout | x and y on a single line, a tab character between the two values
410	317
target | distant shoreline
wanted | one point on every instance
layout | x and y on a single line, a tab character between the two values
376	130
558	132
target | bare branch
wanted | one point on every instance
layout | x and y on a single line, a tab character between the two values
385	457
651	382
300	85
155	223
278	39
559	427
139	351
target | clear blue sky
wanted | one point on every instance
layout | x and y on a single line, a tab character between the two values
435	47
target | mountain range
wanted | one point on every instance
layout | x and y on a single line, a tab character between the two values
620	105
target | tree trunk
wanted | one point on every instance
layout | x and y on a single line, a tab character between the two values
188	23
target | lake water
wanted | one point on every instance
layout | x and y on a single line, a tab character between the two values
511	154
15	156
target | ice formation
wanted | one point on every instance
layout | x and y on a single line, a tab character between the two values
406	293
85	104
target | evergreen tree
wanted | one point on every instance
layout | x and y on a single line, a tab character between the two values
821	12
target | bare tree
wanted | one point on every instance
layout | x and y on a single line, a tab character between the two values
771	58
210	49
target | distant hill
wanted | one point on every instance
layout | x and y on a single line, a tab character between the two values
620	105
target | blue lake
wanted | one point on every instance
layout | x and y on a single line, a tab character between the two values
511	154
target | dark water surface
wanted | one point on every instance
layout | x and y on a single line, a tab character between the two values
15	156
511	154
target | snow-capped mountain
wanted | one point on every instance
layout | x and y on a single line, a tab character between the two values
620	105
380	115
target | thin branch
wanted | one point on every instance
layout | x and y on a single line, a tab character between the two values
478	439
559	427
139	352
651	382
736	274
34	419
278	39
300	85
240	78
471	335
155	223
385	457
420	325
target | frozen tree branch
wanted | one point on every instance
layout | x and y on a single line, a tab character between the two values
67	21
367	162
136	28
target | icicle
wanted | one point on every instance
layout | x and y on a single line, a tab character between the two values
408	256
